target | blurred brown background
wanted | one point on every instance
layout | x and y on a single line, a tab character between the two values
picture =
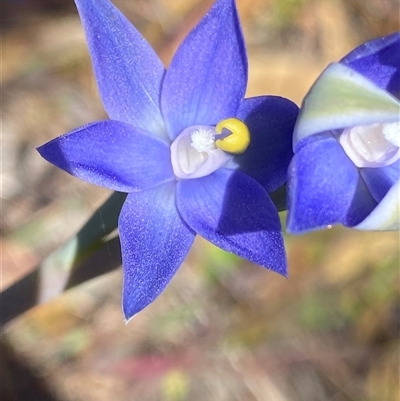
224	329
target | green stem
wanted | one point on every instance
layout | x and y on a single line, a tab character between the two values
84	256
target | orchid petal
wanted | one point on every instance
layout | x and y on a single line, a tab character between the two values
208	74
128	71
386	215
343	98
234	212
379	61
325	188
380	180
154	242
270	120
112	154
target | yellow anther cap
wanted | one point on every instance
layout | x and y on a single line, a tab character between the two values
239	139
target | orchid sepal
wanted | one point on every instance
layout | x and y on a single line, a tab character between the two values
342	98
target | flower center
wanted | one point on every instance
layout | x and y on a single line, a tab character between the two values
374	145
201	149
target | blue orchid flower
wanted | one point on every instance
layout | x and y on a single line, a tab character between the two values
346	167
194	156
